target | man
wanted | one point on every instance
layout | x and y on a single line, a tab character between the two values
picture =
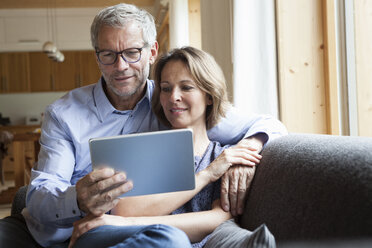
63	187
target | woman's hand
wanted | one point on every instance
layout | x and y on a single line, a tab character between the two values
232	156
90	221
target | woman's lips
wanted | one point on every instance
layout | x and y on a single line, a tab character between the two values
177	110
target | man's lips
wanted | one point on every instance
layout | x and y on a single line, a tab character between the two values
122	78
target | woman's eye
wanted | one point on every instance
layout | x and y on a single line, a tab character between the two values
186	87
165	89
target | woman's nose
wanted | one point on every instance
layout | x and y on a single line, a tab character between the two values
176	95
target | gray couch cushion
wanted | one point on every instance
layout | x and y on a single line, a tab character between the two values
19	200
229	234
313	187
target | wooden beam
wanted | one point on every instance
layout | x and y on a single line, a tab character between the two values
164	42
164	24
17	4
330	68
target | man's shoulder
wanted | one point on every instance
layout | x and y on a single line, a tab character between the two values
76	98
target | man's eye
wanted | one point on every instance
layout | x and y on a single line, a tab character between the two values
107	54
131	53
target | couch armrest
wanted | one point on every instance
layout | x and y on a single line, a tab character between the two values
311	186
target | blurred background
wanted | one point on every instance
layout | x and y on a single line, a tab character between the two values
306	62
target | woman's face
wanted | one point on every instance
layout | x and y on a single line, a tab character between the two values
184	103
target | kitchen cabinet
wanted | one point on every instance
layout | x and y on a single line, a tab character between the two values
14	70
28	29
66	75
78	69
41	75
48	75
22	32
89	70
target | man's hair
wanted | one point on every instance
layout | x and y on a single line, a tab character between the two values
120	15
207	75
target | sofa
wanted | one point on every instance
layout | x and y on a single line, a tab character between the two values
313	190
309	190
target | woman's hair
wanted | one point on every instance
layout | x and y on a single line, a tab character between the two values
207	75
118	16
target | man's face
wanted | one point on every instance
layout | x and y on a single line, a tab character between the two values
125	79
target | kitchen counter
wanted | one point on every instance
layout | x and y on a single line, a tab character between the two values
21	157
20	128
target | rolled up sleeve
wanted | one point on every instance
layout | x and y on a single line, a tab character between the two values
236	126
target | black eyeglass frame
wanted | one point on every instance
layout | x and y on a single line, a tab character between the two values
121	55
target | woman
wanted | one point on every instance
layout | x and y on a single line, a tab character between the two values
190	93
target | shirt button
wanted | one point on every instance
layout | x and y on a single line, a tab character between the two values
73	211
57	215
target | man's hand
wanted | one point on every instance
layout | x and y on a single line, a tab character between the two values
234	185
98	191
236	181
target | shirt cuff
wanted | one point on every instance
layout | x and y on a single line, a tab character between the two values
70	208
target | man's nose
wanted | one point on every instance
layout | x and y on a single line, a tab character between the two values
121	63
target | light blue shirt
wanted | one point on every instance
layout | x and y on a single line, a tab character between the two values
64	158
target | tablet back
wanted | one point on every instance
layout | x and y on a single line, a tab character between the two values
156	162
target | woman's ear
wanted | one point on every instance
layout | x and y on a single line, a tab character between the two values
209	99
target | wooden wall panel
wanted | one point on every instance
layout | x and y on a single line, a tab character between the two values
363	60
216	39
301	65
194	23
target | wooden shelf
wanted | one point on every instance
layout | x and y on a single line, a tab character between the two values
22	155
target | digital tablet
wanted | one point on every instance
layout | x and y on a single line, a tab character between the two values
156	162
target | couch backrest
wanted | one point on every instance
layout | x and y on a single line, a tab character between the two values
313	187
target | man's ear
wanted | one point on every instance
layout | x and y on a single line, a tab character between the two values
154	52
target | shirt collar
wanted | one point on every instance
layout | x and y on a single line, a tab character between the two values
105	108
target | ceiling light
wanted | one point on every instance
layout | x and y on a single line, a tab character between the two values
49	47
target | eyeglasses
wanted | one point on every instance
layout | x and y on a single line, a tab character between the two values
130	55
